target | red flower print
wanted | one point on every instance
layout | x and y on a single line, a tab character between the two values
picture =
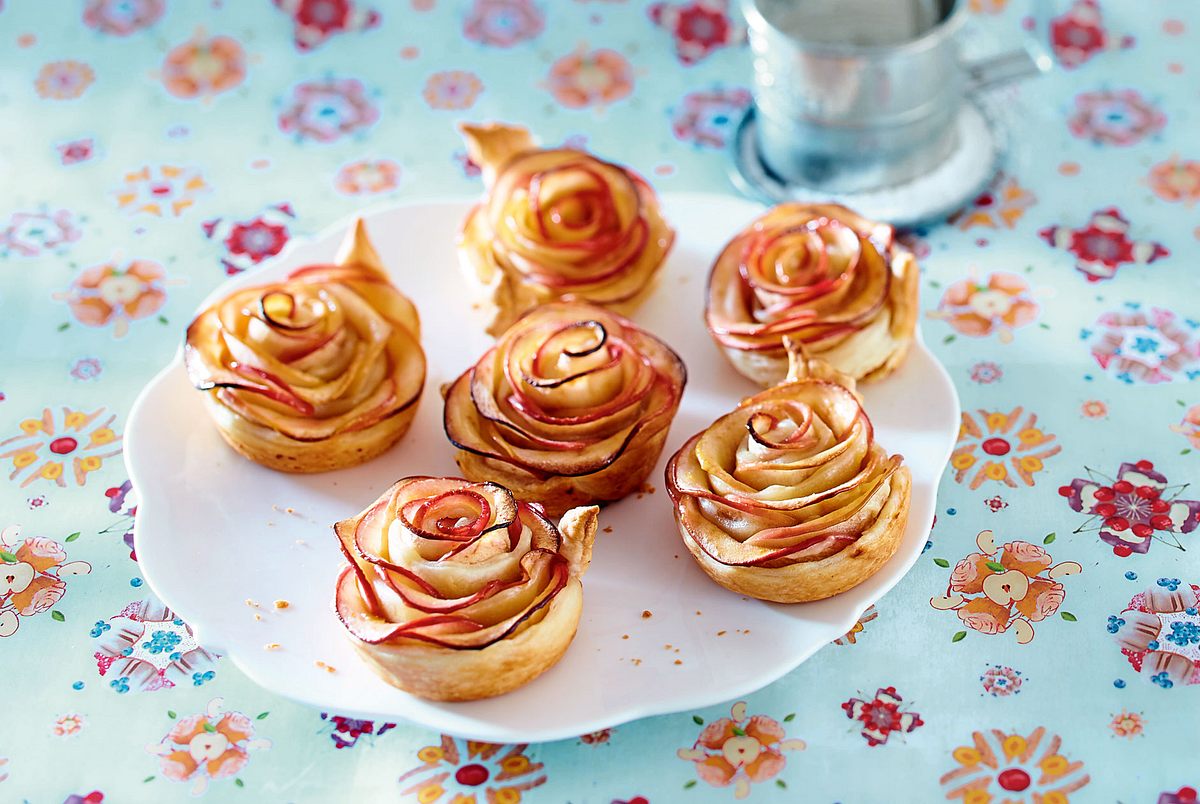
1078	34
328	109
33	234
503	23
986	372
699	27
707	118
249	242
1115	117
315	21
1184	795
256	239
122	17
75	151
881	716
346	732
1103	245
1130	511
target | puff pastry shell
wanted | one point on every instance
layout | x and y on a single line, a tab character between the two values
320	371
557	223
789	498
456	591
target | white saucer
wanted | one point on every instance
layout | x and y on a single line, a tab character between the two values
936	195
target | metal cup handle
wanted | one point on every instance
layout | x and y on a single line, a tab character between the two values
1015	65
1004	68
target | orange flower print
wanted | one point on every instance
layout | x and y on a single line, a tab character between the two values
83	438
68	725
1189	427
453	89
208	746
990	445
1176	180
1128	724
470	772
110	294
1000	305
1094	409
851	636
590	78
1010	587
988	6
204	67
159	191
64	80
32	573
1018	768
1001	206
740	750
367	177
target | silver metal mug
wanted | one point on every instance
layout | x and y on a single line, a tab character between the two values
857	95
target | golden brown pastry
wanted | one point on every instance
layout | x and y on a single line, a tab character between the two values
320	371
823	276
557	223
571	406
455	591
789	498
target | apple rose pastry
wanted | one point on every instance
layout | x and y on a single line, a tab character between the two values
456	591
320	371
571	406
558	224
789	498
824	277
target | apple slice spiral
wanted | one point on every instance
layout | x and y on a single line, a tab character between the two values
789	498
571	406
824	277
558	223
320	371
457	591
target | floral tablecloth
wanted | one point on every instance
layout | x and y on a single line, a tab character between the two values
150	148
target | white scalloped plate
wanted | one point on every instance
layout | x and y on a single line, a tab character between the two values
214	529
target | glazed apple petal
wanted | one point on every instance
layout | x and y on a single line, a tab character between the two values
558	224
792	475
450	563
329	350
820	275
564	392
